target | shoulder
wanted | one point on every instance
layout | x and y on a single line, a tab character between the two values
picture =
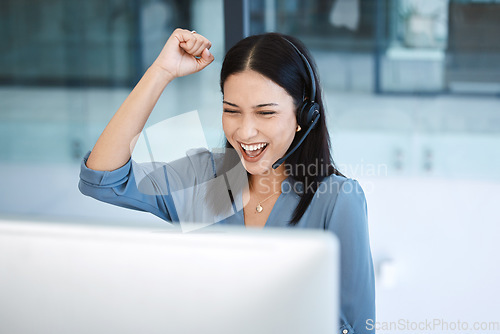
199	153
200	156
345	200
341	183
197	163
335	187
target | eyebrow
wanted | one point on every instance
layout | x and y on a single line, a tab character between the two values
257	106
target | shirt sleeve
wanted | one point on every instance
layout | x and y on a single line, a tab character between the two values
357	283
120	187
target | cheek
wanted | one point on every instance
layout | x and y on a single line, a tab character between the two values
287	129
225	126
283	135
229	126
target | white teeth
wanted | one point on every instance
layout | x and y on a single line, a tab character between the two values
253	147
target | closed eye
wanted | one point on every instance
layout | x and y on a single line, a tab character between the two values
267	113
230	111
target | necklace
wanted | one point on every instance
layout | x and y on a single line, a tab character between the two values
259	207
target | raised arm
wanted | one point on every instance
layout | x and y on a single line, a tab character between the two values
184	53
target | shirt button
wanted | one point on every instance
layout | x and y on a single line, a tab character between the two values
345	331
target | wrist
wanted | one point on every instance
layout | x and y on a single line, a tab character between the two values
164	73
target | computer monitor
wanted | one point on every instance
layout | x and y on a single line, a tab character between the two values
57	278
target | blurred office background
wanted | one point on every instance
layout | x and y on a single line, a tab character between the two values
412	89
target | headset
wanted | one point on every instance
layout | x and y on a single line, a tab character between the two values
308	113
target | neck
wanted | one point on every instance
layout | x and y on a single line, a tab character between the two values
268	183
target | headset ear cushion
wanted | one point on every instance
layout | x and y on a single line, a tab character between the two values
307	114
302	115
312	112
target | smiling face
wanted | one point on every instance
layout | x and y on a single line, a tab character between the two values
258	120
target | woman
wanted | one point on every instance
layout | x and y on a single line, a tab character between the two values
274	120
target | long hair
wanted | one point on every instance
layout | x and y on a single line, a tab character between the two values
272	56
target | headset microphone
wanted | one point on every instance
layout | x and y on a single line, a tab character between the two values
308	114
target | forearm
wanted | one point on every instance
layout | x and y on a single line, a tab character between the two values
114	146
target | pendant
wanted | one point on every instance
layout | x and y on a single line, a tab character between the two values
259	208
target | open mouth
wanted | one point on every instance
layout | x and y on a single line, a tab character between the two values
254	150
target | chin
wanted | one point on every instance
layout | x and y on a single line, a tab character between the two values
258	168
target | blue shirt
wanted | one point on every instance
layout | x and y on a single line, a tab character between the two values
172	192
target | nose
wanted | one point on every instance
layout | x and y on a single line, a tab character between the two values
248	128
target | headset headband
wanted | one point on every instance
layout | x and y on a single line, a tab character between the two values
309	70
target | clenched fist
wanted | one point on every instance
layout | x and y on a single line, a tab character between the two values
184	53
